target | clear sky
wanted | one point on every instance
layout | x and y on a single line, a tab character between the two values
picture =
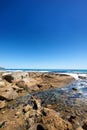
43	34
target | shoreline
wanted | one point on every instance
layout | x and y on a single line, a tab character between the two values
34	96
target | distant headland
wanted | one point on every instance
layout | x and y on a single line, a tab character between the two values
1	68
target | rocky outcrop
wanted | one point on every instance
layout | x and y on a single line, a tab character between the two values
33	117
30	114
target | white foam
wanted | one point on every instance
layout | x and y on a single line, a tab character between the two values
75	75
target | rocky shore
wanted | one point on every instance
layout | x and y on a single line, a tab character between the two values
37	101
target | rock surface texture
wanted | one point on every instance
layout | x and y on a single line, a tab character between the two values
37	101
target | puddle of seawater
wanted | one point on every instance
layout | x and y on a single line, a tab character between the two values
66	96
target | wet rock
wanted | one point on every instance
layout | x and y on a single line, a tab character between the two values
82	77
75	89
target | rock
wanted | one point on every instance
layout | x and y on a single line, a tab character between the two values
40	118
34	74
36	103
75	89
2	83
79	128
8	93
20	76
27	108
2	124
37	127
16	88
84	125
72	119
18	113
2	104
21	84
82	77
52	121
8	77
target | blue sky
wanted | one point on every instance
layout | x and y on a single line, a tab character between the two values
43	34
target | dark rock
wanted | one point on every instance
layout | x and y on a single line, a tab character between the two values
82	77
75	89
8	78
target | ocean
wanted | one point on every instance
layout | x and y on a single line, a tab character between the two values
51	70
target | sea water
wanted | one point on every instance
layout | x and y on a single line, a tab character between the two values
51	70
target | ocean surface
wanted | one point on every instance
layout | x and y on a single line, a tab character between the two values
50	70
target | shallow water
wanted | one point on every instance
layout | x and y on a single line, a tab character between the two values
74	94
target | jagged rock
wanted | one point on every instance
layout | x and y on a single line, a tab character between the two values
40	118
36	103
52	121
